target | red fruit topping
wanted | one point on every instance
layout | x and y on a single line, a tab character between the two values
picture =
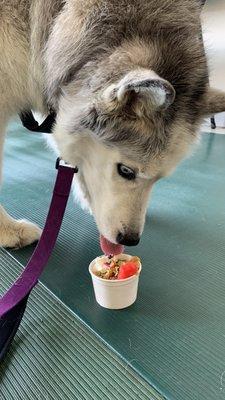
128	269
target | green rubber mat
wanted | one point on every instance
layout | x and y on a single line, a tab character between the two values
174	336
54	356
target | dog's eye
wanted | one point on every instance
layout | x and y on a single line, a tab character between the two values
126	172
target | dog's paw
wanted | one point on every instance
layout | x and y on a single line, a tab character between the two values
19	234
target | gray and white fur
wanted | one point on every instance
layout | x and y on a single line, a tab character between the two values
129	82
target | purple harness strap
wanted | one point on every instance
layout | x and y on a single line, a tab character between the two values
13	303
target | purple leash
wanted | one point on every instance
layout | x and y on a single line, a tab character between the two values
13	303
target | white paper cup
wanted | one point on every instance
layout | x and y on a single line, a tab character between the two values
115	294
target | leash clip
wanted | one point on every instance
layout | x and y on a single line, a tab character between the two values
61	162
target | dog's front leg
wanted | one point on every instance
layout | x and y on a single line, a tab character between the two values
13	233
16	234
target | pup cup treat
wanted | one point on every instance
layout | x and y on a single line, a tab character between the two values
115	280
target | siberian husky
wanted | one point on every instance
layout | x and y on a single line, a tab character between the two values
128	80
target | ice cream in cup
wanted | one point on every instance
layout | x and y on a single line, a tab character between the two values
115	280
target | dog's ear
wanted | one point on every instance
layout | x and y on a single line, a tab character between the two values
214	102
140	91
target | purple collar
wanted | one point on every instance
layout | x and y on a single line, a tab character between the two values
13	303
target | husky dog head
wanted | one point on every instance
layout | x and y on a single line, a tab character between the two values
128	116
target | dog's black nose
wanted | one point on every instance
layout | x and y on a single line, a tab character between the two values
131	239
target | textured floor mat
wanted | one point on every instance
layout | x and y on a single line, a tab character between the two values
174	336
54	356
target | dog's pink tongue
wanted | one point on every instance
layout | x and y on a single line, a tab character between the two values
109	248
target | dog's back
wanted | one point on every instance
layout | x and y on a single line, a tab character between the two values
91	29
